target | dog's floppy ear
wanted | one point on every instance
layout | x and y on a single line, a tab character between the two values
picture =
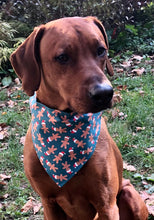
102	29
26	61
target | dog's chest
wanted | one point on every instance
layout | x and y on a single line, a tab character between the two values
63	142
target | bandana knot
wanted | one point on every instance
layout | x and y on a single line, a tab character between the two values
64	142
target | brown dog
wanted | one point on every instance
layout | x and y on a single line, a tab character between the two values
64	62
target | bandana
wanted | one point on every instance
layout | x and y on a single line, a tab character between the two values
64	142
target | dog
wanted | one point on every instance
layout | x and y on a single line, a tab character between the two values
62	66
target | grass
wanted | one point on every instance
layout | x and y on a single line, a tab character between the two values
132	131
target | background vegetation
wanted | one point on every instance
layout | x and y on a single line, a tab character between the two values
130	29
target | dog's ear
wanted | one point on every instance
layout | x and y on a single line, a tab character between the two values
102	29
26	61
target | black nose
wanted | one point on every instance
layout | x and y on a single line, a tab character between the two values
101	94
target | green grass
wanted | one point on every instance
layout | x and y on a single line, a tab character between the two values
138	108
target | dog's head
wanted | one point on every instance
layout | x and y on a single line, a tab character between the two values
64	61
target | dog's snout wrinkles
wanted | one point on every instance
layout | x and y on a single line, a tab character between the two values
101	94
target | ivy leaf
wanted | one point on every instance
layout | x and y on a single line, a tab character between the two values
6	81
138	176
150	178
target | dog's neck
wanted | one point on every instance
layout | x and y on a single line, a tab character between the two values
61	138
56	102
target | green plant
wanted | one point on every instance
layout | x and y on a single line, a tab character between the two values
8	43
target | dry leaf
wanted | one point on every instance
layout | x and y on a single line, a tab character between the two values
11	104
140	128
17	81
26	101
2	105
139	72
128	167
37	207
122	87
2	183
141	92
117	97
119	70
134	146
31	204
114	113
27	206
126	64
137	57
22	140
149	201
5	177
4	133
150	149
3	113
4	196
122	115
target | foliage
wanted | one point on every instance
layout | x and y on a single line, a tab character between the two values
41	11
137	37
127	23
8	43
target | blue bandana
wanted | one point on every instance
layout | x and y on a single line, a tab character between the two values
64	142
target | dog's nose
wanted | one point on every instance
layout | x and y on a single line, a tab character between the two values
101	94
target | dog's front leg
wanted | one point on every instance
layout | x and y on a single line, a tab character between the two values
109	213
52	211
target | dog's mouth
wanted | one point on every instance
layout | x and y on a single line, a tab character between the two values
89	106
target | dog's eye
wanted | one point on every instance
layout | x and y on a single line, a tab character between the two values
101	51
62	58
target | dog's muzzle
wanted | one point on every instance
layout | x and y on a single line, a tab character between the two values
101	95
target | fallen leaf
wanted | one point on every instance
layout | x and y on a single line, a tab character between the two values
4	196
149	201
37	207
4	132
26	101
2	105
134	146
5	177
11	104
141	92
140	128
139	72
117	97
122	115
17	81
126	64
27	206
2	183
128	167
4	113
127	145
2	125
150	149
31	204
119	70
114	113
22	140
122	87
137	57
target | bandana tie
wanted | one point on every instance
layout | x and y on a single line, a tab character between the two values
64	142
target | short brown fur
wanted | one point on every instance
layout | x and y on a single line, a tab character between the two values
98	190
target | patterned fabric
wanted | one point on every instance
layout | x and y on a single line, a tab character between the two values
64	142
